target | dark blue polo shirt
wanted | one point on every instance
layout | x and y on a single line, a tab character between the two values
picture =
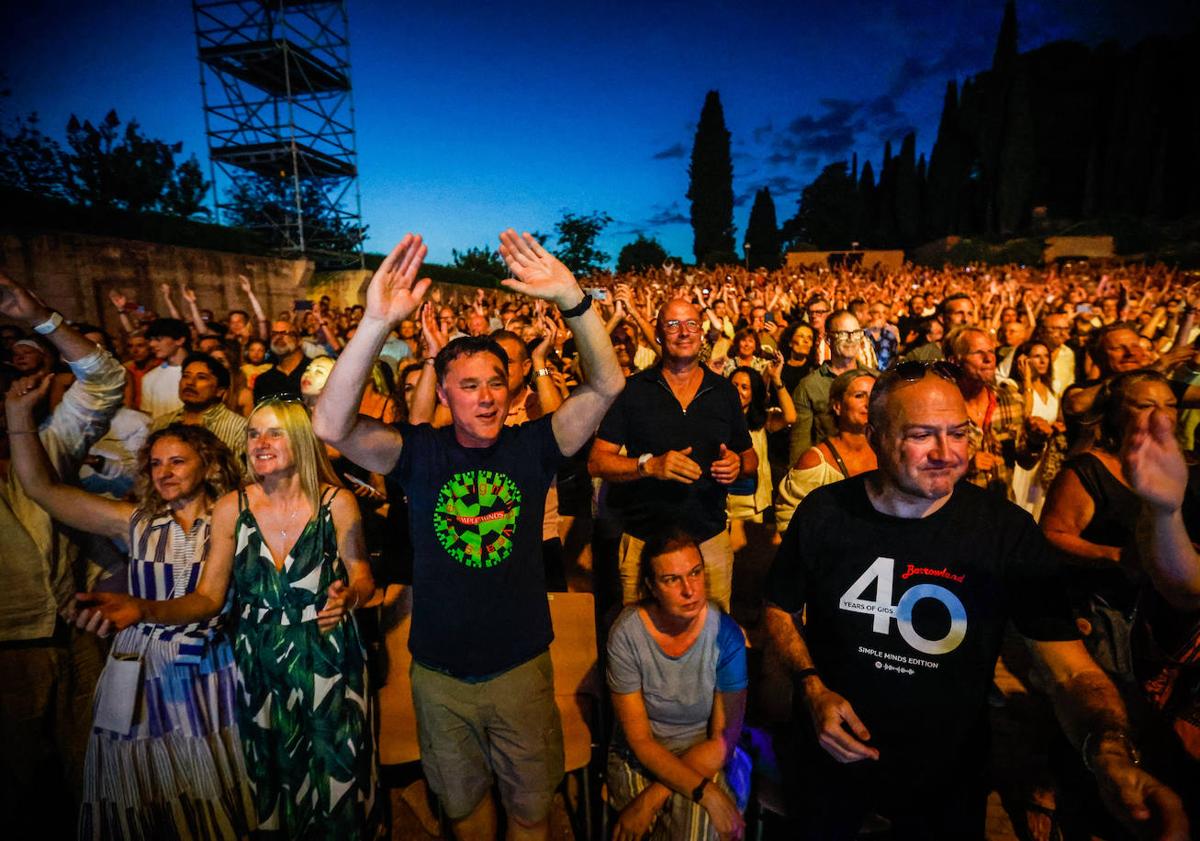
647	418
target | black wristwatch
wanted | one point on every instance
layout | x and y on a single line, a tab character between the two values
579	309
698	791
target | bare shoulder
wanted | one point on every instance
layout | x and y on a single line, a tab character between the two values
811	458
343	504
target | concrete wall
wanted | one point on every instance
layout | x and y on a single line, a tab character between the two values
891	260
74	272
1098	247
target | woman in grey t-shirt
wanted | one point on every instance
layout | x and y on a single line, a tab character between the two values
677	671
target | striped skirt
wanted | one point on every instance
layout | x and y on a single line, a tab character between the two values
679	819
178	773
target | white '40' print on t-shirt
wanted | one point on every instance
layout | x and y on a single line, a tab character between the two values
882	571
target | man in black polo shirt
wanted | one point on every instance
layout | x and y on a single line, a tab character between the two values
685	441
290	363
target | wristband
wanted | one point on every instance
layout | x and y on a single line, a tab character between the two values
641	465
579	309
804	674
49	325
698	791
541	372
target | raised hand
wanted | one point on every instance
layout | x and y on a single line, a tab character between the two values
244	283
187	293
26	393
395	293
435	337
1154	463
542	349
20	303
537	272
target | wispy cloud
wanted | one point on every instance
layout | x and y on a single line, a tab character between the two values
676	151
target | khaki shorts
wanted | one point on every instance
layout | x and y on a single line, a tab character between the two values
717	552
508	727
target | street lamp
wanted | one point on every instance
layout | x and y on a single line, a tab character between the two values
746	251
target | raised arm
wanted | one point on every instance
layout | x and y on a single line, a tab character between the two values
69	505
1158	474
550	399
120	302
189	295
539	274
165	289
393	295
260	317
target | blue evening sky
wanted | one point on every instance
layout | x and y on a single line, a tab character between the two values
474	117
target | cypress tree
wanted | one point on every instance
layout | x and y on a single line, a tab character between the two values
864	229
762	231
711	183
945	167
907	197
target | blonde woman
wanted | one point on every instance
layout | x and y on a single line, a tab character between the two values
291	546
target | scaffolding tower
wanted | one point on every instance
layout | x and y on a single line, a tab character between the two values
278	112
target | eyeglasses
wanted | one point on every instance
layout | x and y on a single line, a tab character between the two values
818	312
283	333
675	325
846	334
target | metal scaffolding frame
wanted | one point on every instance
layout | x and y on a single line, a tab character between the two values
279	115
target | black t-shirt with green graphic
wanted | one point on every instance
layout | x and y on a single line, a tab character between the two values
479	592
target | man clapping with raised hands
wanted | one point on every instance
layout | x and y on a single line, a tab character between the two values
482	682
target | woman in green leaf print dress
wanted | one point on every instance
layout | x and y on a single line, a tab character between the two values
291	546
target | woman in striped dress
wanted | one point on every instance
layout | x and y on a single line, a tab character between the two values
164	759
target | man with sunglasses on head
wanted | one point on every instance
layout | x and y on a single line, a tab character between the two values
814	420
290	363
685	442
906	578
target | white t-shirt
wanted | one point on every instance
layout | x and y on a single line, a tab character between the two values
160	390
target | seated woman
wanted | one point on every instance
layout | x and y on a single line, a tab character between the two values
291	547
839	457
166	763
677	674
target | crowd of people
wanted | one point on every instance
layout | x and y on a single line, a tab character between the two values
867	485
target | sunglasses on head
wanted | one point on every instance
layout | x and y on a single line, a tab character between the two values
914	370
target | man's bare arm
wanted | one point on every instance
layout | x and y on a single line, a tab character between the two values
393	295
539	274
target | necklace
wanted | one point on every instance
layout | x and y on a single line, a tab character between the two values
283	530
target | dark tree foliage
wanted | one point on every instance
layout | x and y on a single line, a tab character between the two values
763	242
828	209
103	167
483	260
30	160
576	236
641	254
711	183
1100	133
907	198
269	205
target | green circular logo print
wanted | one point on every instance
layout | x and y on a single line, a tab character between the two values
476	517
